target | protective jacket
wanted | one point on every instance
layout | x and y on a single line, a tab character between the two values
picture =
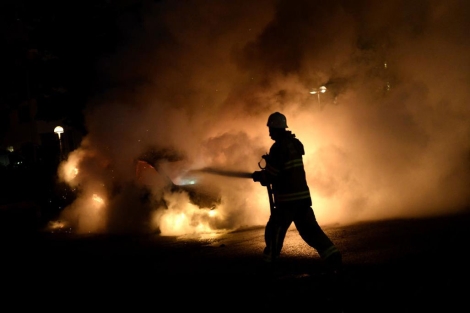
285	171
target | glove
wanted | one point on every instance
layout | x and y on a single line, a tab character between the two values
258	176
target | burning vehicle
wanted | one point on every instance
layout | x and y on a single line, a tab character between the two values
100	202
194	184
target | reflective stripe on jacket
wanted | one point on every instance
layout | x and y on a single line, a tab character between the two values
285	168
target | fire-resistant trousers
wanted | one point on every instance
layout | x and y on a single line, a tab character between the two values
307	226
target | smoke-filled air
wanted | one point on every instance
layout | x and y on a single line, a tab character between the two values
377	91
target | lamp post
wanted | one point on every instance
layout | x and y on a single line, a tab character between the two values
318	91
59	130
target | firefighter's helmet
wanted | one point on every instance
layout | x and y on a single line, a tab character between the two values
277	120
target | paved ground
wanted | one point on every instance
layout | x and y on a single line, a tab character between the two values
414	265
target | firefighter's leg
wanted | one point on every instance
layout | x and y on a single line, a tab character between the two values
274	235
313	235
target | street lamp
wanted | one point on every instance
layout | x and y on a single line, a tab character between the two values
318	91
59	130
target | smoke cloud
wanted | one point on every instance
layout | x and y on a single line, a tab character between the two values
196	81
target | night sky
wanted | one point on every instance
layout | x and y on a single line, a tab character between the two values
389	138
52	52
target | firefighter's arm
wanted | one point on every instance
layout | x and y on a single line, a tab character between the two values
269	172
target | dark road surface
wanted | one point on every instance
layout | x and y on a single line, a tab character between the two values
409	265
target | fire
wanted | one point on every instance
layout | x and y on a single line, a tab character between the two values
58	226
193	220
68	170
182	217
178	213
177	221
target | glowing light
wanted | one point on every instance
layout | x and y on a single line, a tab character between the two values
212	213
59	130
10	148
318	91
188	182
322	89
98	200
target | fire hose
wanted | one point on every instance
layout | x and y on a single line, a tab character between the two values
237	174
240	174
